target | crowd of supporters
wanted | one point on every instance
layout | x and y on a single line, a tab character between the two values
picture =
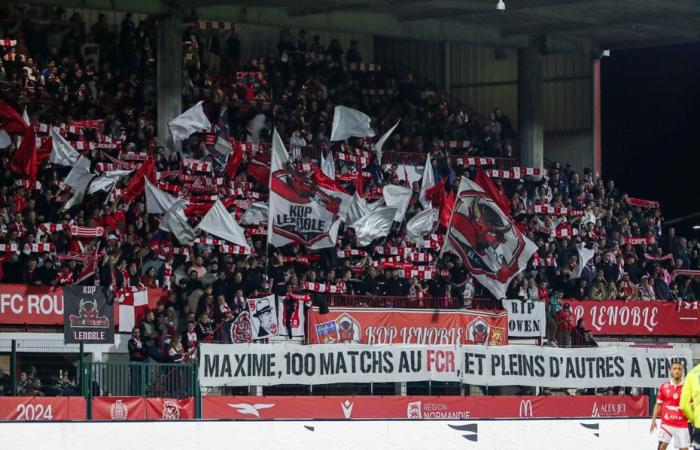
63	73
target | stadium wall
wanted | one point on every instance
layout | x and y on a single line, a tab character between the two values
575	434
484	78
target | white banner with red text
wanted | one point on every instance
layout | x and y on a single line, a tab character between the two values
511	365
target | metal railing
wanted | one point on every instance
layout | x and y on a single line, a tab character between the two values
120	379
373	301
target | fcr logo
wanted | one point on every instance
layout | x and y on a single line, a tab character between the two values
525	409
171	410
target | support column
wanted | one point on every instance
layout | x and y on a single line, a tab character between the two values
448	67
597	140
530	107
169	75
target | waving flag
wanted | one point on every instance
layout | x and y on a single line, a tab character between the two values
62	153
191	121
218	221
493	250
380	143
398	197
157	201
301	211
421	224
427	182
328	166
348	122
374	225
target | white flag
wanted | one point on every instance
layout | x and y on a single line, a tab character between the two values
191	121
328	165
348	122
300	211
222	146
25	117
218	221
157	200
584	255
427	182
421	224
493	250
374	225
106	181
62	153
255	126
378	203
175	222
357	210
5	139
256	213
398	197
78	178
380	143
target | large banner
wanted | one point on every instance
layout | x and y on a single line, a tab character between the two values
407	326
42	408
638	318
265	365
33	305
87	316
286	363
525	319
301	211
22	304
580	368
422	407
483	236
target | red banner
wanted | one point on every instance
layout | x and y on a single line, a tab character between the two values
42	305
170	409
34	305
118	408
408	326
138	408
638	318
376	407
42	408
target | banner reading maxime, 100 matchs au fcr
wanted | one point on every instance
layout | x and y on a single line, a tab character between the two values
275	364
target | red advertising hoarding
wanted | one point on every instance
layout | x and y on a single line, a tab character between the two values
42	408
139	408
22	304
377	407
408	326
638	318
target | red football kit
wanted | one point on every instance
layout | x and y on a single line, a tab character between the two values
669	397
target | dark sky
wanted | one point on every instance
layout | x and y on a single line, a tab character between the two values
651	125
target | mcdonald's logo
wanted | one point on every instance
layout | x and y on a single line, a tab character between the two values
525	409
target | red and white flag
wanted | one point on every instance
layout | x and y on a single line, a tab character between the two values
493	250
133	306
301	211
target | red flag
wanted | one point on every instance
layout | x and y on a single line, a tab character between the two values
26	160
136	184
323	180
259	168
483	180
234	160
442	200
360	183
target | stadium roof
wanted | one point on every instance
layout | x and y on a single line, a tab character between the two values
570	25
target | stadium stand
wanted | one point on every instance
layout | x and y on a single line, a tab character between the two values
96	92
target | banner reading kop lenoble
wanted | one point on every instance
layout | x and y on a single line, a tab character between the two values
516	365
407	326
87	317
